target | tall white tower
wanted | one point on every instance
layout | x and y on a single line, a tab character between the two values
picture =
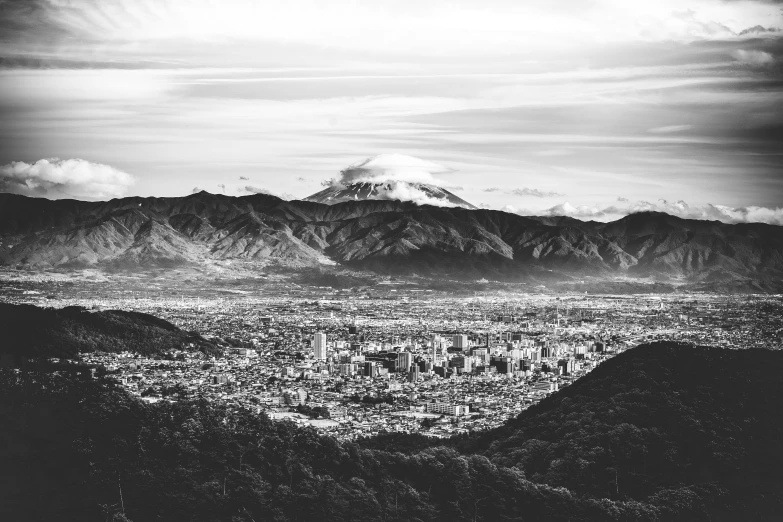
319	345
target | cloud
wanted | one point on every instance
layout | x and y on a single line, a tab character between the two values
403	191
753	57
670	128
758	29
694	26
726	214
222	186
244	178
622	199
392	167
194	190
534	193
302	180
254	190
525	192
260	190
71	178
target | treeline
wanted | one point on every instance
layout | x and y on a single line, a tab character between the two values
33	332
95	453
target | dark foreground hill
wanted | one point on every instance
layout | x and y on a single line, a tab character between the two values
385	236
31	332
662	422
663	432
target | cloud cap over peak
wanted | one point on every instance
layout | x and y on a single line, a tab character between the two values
393	167
71	178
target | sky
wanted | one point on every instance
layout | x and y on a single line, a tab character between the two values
593	109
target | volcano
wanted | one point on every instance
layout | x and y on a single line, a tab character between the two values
421	193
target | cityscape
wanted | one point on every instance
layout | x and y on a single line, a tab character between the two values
407	361
391	261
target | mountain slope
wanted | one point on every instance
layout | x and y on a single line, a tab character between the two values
389	190
382	235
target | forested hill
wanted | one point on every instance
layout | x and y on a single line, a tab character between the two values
29	331
663	421
663	432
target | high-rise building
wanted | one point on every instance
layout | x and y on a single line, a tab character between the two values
404	361
503	364
319	345
413	375
460	341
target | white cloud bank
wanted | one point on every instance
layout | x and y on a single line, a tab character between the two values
751	214
71	178
402	191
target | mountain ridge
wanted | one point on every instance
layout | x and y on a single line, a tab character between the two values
384	236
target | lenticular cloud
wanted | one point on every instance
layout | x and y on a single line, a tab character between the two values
71	178
393	167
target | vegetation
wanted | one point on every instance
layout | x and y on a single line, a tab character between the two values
314	412
659	421
662	432
31	332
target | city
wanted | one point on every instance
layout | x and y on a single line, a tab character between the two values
407	361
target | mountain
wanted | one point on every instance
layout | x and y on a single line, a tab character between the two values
384	236
32	332
661	432
389	190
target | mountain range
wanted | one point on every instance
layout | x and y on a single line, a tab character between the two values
383	236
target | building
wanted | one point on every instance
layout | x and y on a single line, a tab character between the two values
371	369
445	408
502	364
319	345
413	375
568	366
404	361
543	387
337	412
460	341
